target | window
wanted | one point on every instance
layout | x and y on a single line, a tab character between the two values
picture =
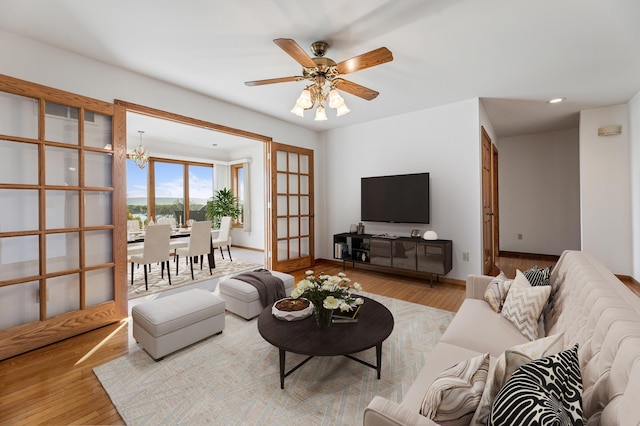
237	185
169	191
164	187
137	200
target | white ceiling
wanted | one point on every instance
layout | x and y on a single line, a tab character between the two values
515	55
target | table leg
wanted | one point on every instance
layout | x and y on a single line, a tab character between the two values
282	356
379	358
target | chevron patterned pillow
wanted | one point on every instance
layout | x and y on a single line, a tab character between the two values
523	305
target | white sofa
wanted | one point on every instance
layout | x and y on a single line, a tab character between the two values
590	305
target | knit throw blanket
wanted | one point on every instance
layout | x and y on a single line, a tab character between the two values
270	288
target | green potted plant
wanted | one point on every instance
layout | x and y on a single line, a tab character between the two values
223	203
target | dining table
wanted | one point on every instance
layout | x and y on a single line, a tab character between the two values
137	236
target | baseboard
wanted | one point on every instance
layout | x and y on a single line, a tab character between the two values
247	248
627	279
535	256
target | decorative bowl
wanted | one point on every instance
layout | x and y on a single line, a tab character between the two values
289	309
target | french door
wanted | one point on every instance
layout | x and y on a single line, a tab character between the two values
62	162
291	207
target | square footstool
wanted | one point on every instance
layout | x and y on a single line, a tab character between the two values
164	325
242	298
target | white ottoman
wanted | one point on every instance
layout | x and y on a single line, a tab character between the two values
164	325
242	298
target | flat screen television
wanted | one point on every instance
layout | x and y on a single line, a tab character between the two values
396	199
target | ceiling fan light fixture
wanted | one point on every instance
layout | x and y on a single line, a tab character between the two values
298	110
335	100
321	115
342	110
304	101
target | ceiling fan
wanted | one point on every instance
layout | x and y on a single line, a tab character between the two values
325	76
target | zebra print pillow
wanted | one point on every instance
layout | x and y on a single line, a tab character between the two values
537	276
547	391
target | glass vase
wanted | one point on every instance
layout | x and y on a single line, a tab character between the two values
323	317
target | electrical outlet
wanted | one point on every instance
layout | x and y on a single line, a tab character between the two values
519	236
465	256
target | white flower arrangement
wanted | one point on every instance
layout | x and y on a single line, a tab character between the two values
328	291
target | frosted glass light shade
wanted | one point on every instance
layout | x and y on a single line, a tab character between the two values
342	110
305	99
297	110
335	100
320	114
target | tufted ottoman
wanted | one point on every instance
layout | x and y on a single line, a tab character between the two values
242	298
164	325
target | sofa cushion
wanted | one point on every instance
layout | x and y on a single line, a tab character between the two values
497	291
547	391
524	304
508	363
454	395
477	328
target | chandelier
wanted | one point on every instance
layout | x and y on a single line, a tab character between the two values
140	155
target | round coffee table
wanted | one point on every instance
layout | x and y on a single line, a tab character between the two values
374	325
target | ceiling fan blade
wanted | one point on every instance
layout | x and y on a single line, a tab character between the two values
294	50
356	89
366	60
273	80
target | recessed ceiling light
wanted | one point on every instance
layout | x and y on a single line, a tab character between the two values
556	100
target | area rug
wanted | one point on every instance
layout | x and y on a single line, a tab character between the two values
158	284
233	378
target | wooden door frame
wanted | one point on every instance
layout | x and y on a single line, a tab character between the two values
182	119
495	202
487	205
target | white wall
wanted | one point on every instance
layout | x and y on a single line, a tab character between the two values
255	237
443	141
605	188
539	187
42	64
634	138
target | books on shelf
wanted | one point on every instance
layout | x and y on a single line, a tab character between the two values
346	317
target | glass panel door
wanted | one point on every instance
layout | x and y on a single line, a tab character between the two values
292	211
58	189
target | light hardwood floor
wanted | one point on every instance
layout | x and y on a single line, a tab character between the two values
56	384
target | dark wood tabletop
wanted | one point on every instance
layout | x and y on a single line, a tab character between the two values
375	324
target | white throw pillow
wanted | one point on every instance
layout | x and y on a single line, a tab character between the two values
523	305
508	363
454	395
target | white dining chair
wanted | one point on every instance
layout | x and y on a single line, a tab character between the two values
133	225
199	245
224	236
155	249
167	221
